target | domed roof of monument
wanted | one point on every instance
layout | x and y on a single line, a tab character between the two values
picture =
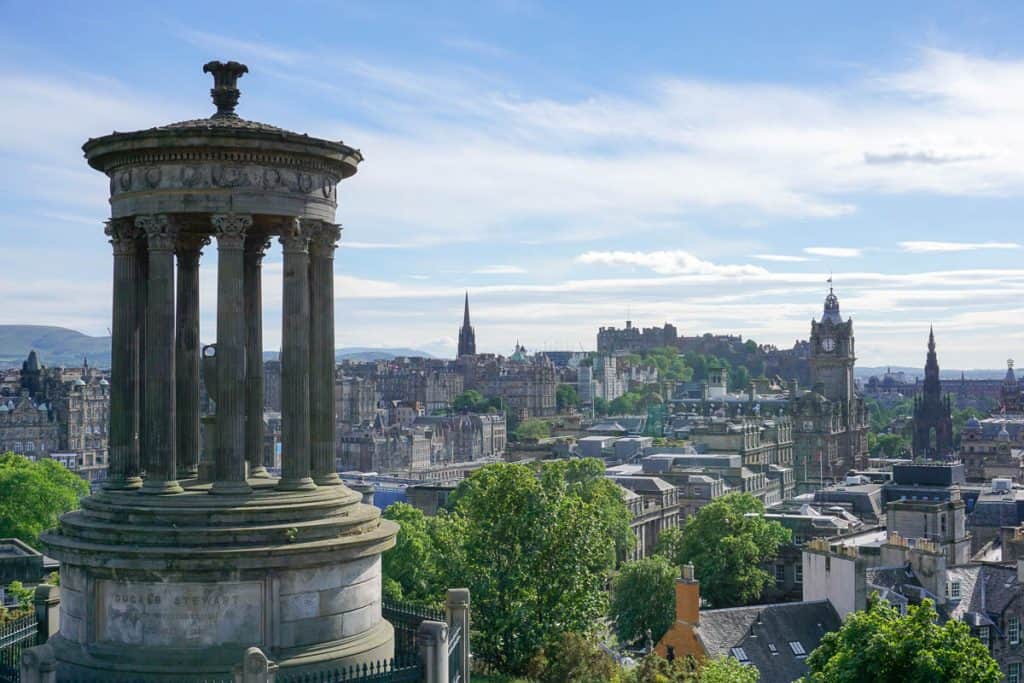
972	423
224	126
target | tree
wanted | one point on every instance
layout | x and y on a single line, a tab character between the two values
889	445
573	658
726	670
532	429
727	541
880	645
33	496
535	551
411	568
21	595
600	406
643	598
566	397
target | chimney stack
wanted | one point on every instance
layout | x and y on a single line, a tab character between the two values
688	597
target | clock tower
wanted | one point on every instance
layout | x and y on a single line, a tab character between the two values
832	353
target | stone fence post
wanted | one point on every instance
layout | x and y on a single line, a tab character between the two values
255	668
456	609
432	643
38	665
46	601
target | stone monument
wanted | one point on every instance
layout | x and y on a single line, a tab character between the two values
166	575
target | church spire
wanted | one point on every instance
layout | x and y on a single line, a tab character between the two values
467	336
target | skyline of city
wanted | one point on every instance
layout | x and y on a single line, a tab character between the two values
565	180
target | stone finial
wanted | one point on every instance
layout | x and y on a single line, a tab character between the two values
225	90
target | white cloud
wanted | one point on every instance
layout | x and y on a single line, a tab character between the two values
833	252
675	262
780	258
923	247
499	270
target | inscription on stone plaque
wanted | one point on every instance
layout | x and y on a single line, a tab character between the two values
180	614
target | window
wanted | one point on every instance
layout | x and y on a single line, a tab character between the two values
1013	630
1013	673
798	574
774	650
953	590
740	654
798	648
983	635
780	573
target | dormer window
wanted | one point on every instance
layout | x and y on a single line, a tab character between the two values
798	648
953	590
740	654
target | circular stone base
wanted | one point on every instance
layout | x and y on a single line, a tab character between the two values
177	587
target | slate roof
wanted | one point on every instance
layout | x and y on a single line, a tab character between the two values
644	484
756	627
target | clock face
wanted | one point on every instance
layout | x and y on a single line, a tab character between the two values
829	344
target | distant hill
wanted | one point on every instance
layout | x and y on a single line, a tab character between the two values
366	353
911	372
54	345
61	346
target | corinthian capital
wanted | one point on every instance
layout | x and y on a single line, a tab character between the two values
161	233
230	229
190	242
295	234
324	238
256	247
123	235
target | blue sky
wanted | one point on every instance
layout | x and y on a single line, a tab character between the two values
569	164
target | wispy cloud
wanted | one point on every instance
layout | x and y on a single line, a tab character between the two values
675	262
499	270
833	252
924	247
780	258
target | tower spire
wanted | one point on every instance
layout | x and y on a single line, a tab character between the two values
467	336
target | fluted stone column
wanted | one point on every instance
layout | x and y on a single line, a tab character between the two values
186	353
323	240
161	236
141	299
123	469
229	454
255	248
295	453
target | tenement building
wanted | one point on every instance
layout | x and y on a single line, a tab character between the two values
59	413
830	422
179	564
933	420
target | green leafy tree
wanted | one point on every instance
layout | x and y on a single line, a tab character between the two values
643	598
21	595
535	551
726	670
600	406
411	567
533	429
727	547
739	378
573	658
889	445
33	495
566	397
655	669
880	645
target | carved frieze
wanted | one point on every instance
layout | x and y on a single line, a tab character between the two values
197	177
